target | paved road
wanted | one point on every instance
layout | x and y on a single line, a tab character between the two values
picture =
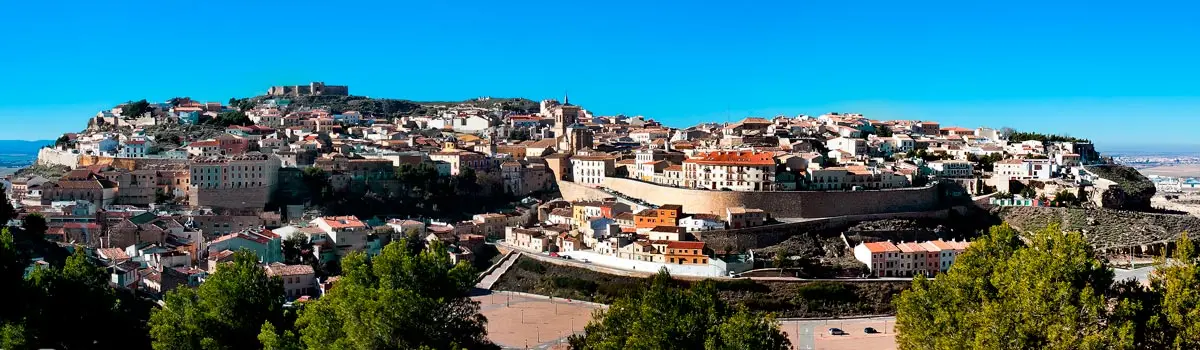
490	280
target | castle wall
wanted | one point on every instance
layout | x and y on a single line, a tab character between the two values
780	204
739	240
51	156
128	163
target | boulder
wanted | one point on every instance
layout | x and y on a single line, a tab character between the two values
1121	187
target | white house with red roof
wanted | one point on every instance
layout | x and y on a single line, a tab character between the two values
347	233
735	170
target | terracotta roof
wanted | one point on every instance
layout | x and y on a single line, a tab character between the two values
685	245
675	229
881	247
278	269
114	254
223	255
911	247
733	158
339	222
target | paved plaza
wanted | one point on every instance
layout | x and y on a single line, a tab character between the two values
524	321
520	321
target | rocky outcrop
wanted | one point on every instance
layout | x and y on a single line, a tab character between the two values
1121	187
1104	228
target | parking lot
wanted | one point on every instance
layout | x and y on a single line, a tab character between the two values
814	334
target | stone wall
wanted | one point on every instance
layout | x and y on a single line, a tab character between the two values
253	197
764	236
781	204
51	156
130	163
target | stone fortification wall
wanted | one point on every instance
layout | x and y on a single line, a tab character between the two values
130	163
252	197
51	156
739	240
781	204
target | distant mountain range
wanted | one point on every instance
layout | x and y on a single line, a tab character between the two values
20	153
19	147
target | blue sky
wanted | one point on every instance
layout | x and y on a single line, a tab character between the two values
1121	73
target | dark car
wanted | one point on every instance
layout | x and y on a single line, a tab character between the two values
836	331
870	330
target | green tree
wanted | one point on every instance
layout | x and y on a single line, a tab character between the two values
669	317
272	339
1002	294
7	212
227	118
396	300
1176	320
77	297
12	271
134	109
226	312
35	226
293	247
74	297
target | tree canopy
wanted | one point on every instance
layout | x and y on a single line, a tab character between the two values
1173	312
668	317
227	118
64	307
404	298
134	109
1052	293
227	311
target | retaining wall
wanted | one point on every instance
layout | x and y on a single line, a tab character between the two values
781	204
51	156
764	236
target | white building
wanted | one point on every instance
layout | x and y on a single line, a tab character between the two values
854	146
1024	169
348	233
952	168
735	170
702	222
592	170
135	148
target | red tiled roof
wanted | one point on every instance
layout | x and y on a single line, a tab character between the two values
685	245
337	222
278	269
881	247
733	158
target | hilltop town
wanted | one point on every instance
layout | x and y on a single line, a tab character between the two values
167	190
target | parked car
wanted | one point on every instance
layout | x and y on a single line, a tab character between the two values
870	330
836	331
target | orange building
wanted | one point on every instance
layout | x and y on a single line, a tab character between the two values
686	252
667	215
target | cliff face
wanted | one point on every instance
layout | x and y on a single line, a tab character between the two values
1121	187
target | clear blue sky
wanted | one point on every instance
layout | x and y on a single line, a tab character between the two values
1120	73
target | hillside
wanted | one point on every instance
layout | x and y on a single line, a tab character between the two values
1104	228
401	107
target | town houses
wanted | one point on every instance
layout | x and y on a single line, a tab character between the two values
170	194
